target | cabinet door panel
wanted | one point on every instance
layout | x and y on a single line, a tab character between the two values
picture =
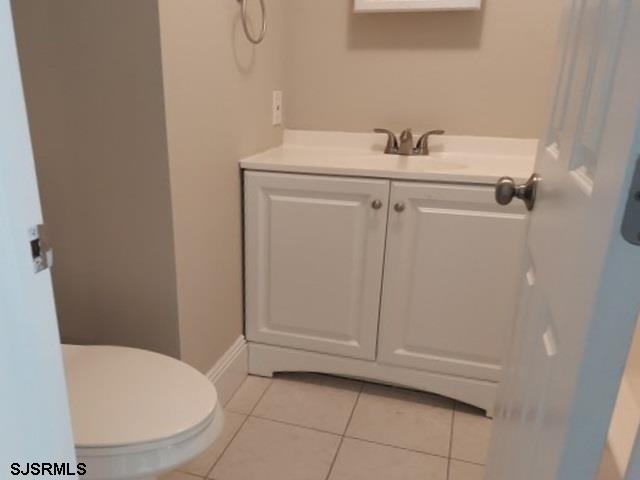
314	255
452	270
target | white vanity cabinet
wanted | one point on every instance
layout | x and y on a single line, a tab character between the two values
398	270
410	283
314	258
451	279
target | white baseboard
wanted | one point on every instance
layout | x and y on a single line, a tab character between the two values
231	370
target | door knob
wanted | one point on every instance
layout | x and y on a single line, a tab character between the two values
376	204
506	190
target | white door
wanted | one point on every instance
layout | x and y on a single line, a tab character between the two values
582	289
314	254
453	261
34	417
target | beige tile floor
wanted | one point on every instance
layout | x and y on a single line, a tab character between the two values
316	427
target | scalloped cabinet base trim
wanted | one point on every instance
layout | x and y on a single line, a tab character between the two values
265	360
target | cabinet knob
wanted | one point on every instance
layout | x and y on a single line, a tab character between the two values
376	204
399	207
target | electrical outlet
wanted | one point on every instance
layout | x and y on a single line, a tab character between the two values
277	107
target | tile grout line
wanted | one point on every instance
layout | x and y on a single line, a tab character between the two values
335	456
451	457
255	405
207	476
282	422
398	448
353	410
468	462
453	419
193	475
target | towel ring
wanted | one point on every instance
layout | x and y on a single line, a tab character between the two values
245	22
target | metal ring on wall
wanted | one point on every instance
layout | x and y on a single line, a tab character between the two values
245	22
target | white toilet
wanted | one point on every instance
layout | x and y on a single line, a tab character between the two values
137	414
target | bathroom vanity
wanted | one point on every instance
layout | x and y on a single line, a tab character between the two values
402	270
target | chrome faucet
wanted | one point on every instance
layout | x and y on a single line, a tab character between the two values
406	142
405	145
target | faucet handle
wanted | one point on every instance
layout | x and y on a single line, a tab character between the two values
422	147
392	141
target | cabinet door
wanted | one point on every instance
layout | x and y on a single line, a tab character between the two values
452	270
314	255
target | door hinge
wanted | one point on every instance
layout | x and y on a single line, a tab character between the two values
631	221
41	251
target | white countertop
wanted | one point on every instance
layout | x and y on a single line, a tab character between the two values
454	158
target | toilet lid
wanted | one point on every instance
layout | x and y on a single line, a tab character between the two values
124	396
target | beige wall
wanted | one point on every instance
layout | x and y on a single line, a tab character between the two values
93	84
116	195
218	102
479	73
140	111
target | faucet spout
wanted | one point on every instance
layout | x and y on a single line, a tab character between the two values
406	142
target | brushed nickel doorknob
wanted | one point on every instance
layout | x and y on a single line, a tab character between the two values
376	204
399	207
507	190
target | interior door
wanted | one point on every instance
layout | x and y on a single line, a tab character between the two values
314	252
582	289
34	416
